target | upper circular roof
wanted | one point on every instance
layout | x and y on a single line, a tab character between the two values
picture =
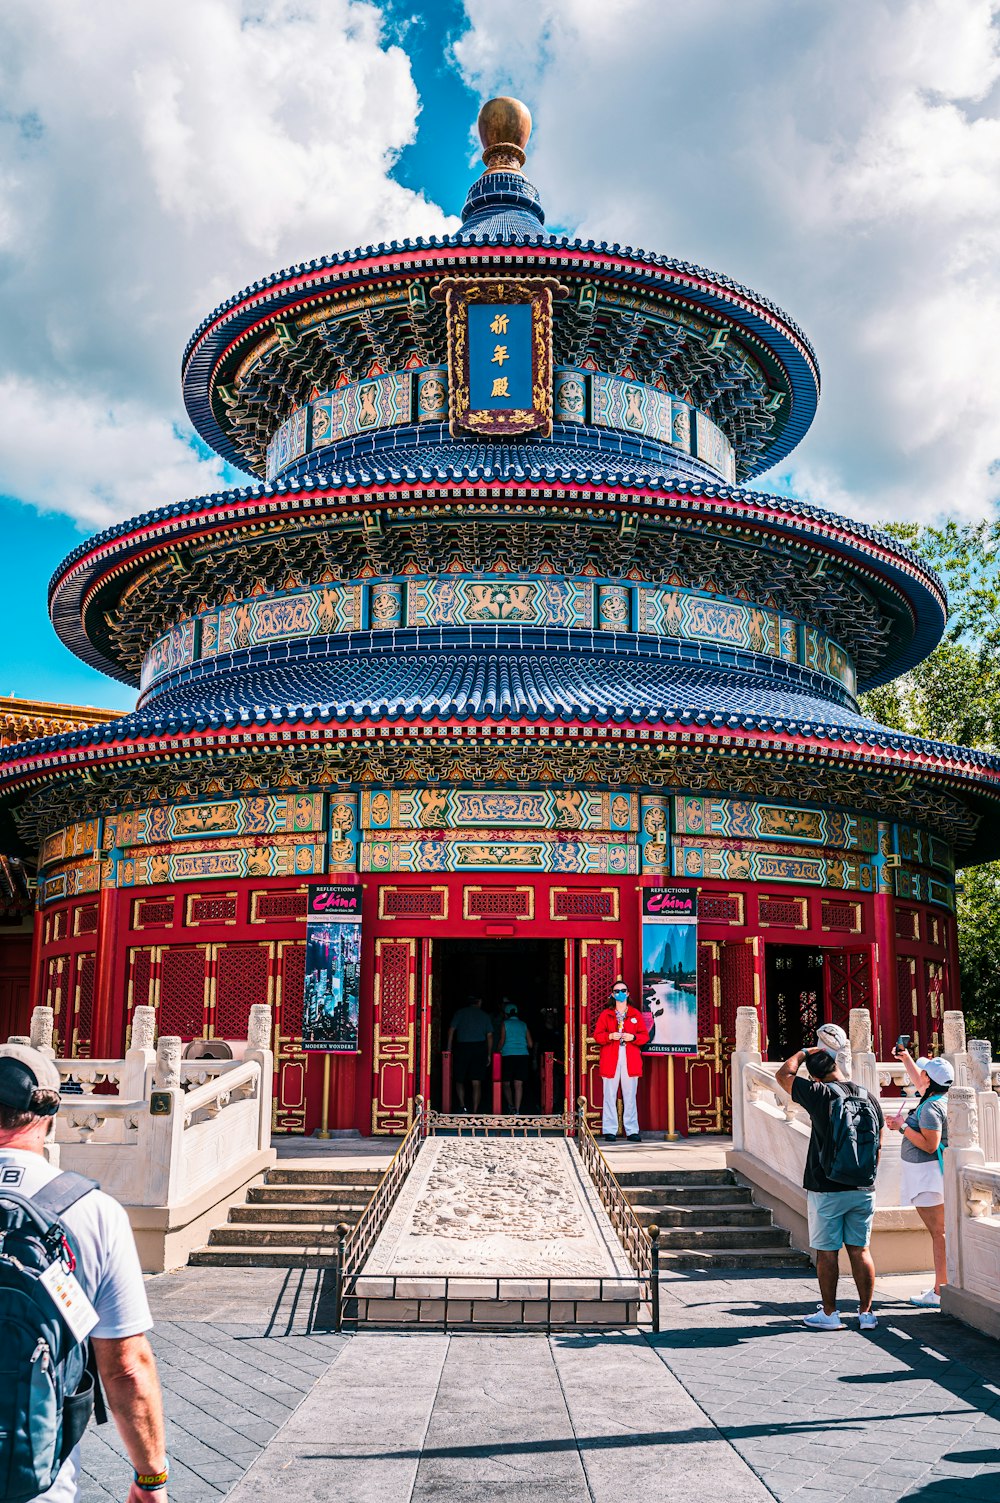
710	341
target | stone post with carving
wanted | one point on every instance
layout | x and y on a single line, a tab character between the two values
168	1064
953	1046
42	1024
979	1054
963	1150
259	1032
747	1052
864	1065
161	1129
140	1057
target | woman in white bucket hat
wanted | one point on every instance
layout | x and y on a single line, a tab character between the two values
921	1176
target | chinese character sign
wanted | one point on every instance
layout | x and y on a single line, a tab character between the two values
670	969
499	353
500	356
331	1001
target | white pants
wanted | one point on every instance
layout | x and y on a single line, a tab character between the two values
629	1085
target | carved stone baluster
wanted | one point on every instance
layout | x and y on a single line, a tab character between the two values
168	1064
42	1024
747	1052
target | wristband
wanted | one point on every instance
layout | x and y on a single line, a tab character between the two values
151	1482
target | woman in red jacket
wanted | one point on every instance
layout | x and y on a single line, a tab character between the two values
621	1033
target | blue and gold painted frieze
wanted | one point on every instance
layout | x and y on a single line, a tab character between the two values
541	851
396	399
463	600
748	819
458	808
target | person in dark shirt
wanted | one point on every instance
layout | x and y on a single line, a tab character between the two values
839	1215
470	1041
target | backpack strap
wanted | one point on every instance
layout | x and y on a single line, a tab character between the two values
64	1191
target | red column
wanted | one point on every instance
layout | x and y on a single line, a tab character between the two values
109	1009
35	997
886	1022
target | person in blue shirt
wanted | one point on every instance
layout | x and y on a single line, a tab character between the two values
516	1047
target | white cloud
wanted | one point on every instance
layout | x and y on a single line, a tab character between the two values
842	158
153	160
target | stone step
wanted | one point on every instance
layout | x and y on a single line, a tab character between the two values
304	1238
307	1195
682	1177
259	1257
671	1215
688	1195
776	1257
740	1238
294	1176
295	1215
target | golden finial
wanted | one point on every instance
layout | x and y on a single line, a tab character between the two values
504	128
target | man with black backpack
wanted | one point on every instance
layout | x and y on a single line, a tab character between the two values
72	1307
841	1165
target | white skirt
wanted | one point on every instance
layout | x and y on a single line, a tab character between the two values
918	1183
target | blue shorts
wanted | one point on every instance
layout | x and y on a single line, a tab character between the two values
837	1217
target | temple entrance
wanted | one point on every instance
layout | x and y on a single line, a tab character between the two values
527	973
807	986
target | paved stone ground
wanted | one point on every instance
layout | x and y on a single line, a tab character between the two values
733	1402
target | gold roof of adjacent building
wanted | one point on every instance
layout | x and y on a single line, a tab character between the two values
24	719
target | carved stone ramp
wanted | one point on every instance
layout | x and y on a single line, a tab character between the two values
496	1231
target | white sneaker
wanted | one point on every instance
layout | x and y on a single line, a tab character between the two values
867	1320
928	1299
823	1322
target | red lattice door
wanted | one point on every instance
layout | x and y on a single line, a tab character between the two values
242	977
707	1097
600	963
80	1011
183	992
933	1010
290	1059
394	1035
848	983
55	989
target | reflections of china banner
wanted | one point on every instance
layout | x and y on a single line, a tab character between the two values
331	1001
670	969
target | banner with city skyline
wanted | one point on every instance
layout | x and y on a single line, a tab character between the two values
670	969
331	1000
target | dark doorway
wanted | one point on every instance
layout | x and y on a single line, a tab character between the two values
795	1008
529	973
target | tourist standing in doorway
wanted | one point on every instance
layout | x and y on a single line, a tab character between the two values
621	1033
921	1170
841	1165
516	1045
470	1043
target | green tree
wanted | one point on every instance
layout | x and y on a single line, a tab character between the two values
954	695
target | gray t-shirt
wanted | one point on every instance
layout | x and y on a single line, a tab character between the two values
932	1116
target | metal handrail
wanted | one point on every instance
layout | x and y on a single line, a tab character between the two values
629	1229
355	1243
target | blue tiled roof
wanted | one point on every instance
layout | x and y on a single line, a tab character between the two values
477	685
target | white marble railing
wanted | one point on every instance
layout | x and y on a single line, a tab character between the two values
171	1128
771	1136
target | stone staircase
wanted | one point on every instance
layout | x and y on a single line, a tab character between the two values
290	1219
707	1220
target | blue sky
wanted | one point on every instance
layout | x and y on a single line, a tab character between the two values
840	158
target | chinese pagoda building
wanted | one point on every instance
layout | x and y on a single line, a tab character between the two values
499	633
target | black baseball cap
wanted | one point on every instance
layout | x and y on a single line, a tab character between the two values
23	1071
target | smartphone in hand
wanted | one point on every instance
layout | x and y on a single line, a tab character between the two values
901	1043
